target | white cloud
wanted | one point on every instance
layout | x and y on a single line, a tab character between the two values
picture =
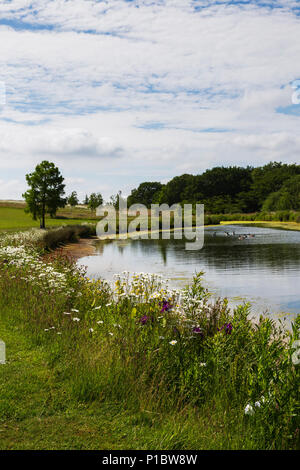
9	189
164	87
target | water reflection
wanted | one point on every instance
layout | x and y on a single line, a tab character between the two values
263	268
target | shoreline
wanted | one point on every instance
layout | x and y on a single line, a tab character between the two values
85	246
292	226
80	249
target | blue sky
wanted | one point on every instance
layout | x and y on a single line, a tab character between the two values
118	92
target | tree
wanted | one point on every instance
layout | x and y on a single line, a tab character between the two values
46	191
270	178
115	200
287	198
174	191
86	200
95	200
73	199
144	194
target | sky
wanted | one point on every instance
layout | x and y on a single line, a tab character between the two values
117	92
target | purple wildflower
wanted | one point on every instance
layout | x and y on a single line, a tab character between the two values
144	319
166	306
227	327
198	330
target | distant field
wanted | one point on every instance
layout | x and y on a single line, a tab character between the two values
14	218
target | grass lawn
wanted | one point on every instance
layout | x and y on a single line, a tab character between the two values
37	413
13	218
94	366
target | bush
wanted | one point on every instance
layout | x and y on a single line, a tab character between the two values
52	238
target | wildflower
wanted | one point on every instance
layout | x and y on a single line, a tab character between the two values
74	310
100	322
111	334
107	305
143	320
173	342
202	364
58	333
76	319
161	337
198	330
257	403
249	410
67	313
227	327
97	308
165	306
91	330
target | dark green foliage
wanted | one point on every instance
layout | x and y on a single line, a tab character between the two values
288	197
225	190
73	199
270	178
46	191
144	194
95	200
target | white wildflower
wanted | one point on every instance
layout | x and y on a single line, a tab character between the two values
249	410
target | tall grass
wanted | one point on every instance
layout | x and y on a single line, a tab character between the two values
158	351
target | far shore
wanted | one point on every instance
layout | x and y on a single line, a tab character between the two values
86	246
265	224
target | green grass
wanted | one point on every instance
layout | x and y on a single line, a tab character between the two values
37	412
267	224
12	218
116	372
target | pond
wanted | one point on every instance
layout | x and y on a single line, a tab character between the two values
263	268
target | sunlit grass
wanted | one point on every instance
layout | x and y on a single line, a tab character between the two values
136	364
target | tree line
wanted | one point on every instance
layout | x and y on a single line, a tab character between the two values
233	189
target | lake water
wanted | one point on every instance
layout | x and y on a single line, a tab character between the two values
264	270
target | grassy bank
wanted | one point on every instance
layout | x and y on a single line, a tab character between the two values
135	364
13	217
266	224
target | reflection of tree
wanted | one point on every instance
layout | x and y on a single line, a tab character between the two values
100	245
226	254
162	244
218	253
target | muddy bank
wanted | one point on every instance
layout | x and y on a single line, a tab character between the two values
84	247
